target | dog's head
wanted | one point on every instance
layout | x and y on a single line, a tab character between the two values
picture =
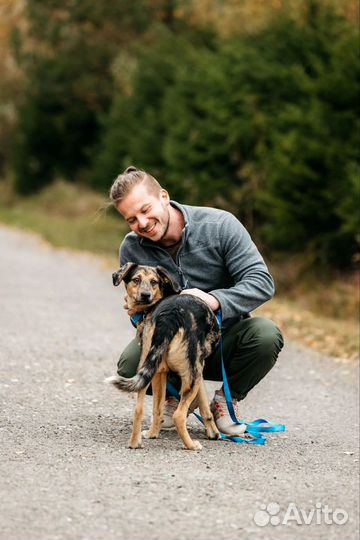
145	285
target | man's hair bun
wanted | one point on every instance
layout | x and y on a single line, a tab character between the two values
130	169
125	182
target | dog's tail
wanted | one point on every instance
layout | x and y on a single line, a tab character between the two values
145	374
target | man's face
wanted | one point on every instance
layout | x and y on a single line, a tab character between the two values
146	213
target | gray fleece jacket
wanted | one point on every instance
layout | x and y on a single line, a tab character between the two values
217	255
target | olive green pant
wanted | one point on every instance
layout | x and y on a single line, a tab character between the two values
250	350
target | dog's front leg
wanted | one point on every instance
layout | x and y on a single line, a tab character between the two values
135	439
159	392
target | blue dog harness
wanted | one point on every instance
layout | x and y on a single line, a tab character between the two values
136	319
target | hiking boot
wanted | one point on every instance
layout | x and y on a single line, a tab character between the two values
171	405
222	416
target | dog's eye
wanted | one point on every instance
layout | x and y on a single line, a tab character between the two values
136	280
154	282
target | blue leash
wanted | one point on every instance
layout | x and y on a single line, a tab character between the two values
254	429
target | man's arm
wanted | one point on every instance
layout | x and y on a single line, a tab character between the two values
253	284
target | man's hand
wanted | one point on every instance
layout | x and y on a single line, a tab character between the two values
209	299
130	311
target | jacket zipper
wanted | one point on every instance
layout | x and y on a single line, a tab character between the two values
184	281
180	270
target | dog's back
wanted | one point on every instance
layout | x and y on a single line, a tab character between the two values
192	325
181	331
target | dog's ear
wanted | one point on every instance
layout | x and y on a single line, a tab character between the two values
121	274
171	286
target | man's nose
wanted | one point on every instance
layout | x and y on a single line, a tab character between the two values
142	222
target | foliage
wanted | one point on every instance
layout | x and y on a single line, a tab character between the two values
264	124
68	64
312	194
136	129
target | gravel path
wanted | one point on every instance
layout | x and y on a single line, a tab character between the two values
65	470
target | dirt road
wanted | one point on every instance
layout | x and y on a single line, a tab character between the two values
65	470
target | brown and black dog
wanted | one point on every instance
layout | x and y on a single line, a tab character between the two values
177	333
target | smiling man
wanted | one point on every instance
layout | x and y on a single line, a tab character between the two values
212	256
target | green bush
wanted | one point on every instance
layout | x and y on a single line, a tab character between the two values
265	125
311	197
136	129
56	128
69	83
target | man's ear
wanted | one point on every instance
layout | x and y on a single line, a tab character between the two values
121	274
171	286
164	196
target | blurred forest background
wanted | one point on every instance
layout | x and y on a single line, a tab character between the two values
247	105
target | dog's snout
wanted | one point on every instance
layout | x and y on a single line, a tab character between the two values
145	297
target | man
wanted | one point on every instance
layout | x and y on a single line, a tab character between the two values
212	256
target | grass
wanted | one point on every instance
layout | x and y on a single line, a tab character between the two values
330	336
66	216
320	313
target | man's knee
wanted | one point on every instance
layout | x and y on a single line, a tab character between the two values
124	368
267	332
266	336
129	360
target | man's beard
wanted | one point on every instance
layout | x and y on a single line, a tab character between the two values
166	227
165	230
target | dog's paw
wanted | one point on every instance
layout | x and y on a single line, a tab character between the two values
213	435
194	446
134	444
148	434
